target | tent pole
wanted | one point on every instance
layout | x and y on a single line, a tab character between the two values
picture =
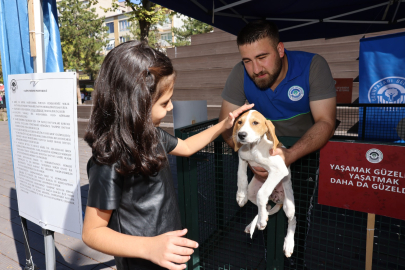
29	262
396	10
39	67
31	21
232	5
39	59
234	11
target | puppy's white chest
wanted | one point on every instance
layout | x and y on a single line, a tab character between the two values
255	156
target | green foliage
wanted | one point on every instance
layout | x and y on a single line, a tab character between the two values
191	27
146	15
82	35
153	35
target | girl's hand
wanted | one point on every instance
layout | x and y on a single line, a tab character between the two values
171	250
233	115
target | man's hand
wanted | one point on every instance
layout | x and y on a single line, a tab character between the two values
233	115
260	173
226	108
284	153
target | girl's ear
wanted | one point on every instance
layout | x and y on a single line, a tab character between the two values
236	144
271	134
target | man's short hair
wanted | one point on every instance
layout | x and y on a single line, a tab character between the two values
256	30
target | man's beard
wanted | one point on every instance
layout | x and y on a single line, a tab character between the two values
267	82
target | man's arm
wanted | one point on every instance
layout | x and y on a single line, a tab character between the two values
226	108
324	113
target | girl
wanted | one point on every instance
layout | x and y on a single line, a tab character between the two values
132	212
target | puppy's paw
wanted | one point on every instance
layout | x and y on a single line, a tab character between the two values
247	229
288	246
262	222
241	198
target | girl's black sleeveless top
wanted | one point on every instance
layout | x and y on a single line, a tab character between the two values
142	205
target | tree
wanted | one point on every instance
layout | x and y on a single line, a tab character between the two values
153	35
191	27
146	15
82	35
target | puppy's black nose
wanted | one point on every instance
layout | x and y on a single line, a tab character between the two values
242	135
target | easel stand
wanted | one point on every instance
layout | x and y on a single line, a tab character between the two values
49	249
29	263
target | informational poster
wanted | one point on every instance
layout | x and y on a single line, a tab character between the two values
363	177
43	122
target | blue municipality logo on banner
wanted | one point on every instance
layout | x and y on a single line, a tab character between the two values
382	81
388	90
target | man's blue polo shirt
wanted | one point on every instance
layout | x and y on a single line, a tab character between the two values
291	97
308	79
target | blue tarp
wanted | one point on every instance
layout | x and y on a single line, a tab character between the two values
14	39
382	81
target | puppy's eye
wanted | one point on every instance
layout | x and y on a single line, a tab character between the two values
255	123
240	122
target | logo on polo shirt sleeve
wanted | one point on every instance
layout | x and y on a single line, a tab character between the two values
295	93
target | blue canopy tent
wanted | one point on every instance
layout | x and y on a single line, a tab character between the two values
297	19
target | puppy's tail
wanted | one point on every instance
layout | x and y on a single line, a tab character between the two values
253	226
274	209
271	211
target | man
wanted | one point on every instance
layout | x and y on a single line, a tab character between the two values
295	90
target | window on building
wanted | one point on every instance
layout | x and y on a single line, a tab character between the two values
110	27
110	45
124	39
166	36
124	25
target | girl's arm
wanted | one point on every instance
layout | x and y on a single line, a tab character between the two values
197	142
164	250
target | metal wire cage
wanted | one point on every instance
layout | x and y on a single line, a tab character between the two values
325	237
377	122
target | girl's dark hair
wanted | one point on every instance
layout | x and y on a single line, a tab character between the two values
256	30
120	128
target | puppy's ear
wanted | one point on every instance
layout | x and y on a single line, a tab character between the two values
271	134
234	137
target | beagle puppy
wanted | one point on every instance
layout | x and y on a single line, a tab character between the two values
254	136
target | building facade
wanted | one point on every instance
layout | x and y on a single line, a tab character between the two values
118	24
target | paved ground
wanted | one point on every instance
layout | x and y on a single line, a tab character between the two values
70	253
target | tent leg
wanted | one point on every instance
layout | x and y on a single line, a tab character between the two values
49	249
29	263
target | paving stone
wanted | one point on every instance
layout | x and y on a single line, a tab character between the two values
8	263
